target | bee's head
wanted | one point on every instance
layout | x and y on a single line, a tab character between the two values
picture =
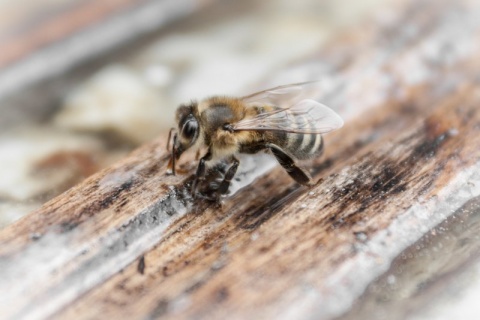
188	128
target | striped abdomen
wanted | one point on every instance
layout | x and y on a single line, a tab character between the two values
300	145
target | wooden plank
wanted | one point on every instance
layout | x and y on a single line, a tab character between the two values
130	242
431	278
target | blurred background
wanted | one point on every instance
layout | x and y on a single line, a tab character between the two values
83	82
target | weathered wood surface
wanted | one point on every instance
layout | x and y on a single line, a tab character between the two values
129	242
424	281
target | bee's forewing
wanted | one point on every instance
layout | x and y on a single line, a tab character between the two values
306	116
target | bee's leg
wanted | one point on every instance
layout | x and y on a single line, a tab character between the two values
172	130
200	175
287	162
223	189
171	163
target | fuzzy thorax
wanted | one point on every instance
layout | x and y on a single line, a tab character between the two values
224	145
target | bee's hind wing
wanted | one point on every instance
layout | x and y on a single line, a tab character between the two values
277	96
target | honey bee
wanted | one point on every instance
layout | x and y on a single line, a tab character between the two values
269	120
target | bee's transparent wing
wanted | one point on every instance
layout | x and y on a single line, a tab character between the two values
306	116
278	95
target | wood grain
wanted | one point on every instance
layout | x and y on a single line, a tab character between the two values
129	242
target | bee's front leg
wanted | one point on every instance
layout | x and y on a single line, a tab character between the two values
200	175
223	189
171	162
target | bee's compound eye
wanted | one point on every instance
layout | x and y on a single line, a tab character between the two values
189	129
